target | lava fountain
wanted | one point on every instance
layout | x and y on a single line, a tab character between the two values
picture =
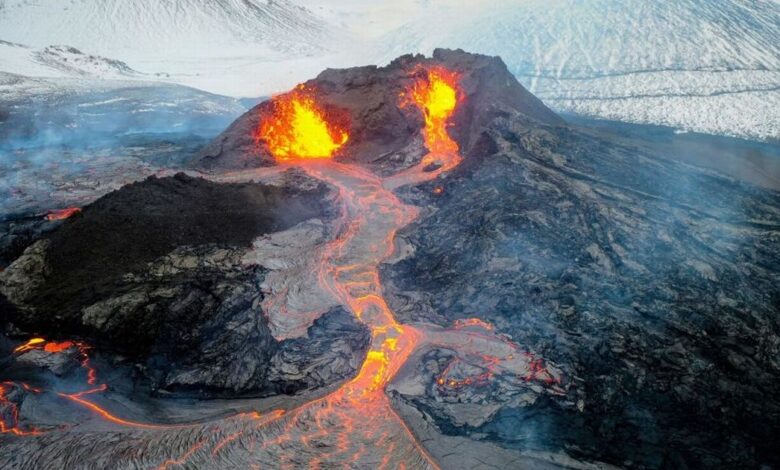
297	128
436	94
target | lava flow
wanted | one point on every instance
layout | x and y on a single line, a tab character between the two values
371	214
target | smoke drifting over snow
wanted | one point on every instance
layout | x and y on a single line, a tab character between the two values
66	141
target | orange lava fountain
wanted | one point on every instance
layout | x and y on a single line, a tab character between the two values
297	128
436	96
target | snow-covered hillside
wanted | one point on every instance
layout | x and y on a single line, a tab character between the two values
60	61
705	65
233	47
121	28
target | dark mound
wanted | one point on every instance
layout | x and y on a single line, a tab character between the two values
155	271
131	227
380	130
90	256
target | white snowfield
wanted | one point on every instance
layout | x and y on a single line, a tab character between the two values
122	28
711	66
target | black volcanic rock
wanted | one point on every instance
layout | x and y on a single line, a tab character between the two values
656	283
379	127
123	231
156	271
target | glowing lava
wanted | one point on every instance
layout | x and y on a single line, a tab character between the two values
33	343
62	214
297	128
55	347
436	95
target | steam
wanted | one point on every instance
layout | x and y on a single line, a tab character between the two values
72	137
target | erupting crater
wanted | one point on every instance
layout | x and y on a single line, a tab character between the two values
297	127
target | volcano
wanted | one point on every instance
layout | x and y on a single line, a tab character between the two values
410	266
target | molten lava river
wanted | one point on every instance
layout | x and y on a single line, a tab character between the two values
354	426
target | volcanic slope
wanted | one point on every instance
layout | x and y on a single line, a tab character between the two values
653	282
529	298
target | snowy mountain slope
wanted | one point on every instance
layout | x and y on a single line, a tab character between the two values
165	27
236	47
705	65
571	38
61	61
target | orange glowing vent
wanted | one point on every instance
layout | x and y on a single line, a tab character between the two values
437	97
297	128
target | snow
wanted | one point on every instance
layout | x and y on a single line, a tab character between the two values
189	28
703	65
699	65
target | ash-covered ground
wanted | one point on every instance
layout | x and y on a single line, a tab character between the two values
635	278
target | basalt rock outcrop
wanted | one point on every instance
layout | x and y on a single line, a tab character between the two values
156	271
382	132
